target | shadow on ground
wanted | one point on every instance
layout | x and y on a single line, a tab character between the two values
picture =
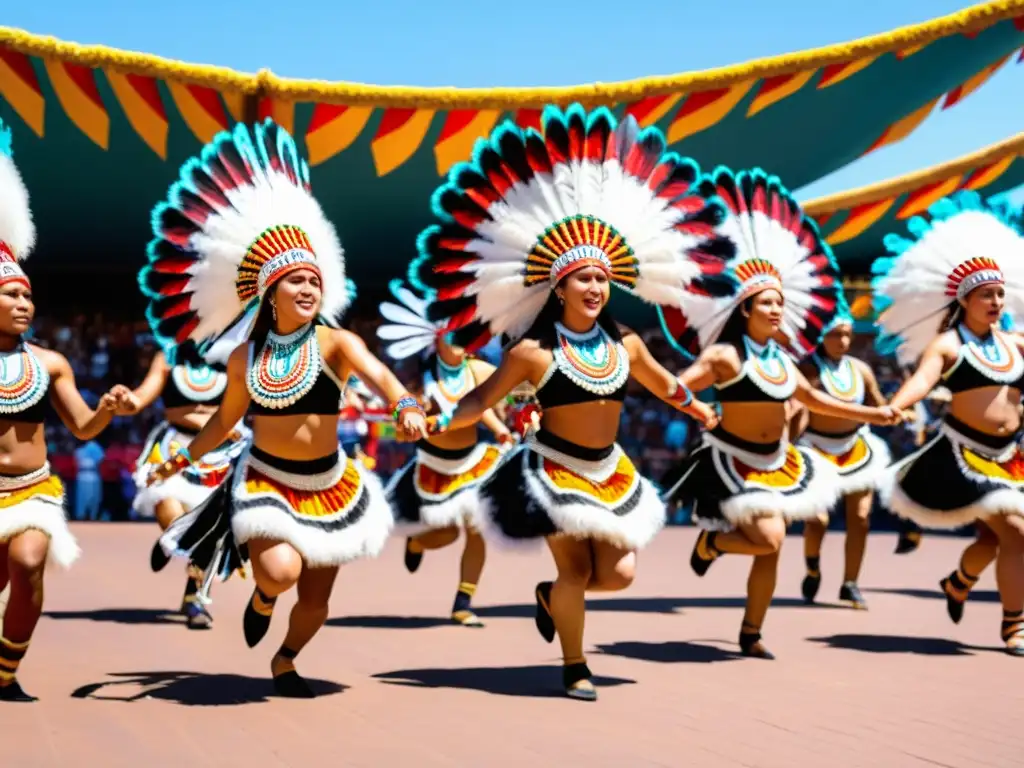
535	681
119	615
921	646
977	595
194	689
670	652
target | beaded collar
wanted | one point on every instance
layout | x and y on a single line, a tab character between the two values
449	384
199	383
286	368
591	360
23	380
768	369
841	380
992	356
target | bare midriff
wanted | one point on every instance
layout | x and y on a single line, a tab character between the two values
22	447
297	437
993	410
755	422
593	424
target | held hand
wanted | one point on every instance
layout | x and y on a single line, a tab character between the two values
163	472
413	424
888	416
703	413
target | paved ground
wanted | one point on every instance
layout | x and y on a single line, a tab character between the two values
124	683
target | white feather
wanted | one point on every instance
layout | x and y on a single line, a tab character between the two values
16	226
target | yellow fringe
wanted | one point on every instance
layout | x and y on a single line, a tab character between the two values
898	185
267	83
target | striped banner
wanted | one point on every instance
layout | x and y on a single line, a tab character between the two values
650	110
462	127
235	102
836	73
20	87
332	129
980	178
280	111
76	91
399	135
703	109
139	97
904	127
922	197
528	118
200	108
969	86
775	89
909	51
859	219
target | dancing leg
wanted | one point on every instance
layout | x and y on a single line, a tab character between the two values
309	614
25	557
814	535
767	535
438	538
276	568
473	556
978	556
1010	578
858	523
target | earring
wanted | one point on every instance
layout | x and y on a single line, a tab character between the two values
561	299
273	311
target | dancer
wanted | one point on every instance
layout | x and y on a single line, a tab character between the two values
190	392
252	269
534	231
437	489
943	294
859	456
33	527
748	479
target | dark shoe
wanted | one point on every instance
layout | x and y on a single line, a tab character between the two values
751	646
954	604
197	617
850	593
542	618
158	558
256	623
810	586
412	559
290	685
704	553
13	692
908	542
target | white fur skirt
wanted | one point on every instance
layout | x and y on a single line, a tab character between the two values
549	487
961	475
439	488
331	510
35	501
860	457
196	483
731	481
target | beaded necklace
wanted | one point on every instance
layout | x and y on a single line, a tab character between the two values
23	380
842	380
768	368
591	360
286	368
199	383
454	381
992	356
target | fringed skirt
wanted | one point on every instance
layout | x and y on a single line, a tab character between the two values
36	501
196	483
331	510
730	481
958	477
439	488
860	457
549	486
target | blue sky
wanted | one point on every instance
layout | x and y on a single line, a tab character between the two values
532	42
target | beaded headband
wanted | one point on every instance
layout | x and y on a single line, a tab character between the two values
276	252
972	274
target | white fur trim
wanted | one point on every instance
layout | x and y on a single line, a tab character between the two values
1005	501
46	514
189	495
16	226
868	476
365	538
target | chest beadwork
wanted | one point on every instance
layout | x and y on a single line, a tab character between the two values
286	369
841	380
591	360
769	369
993	357
200	383
24	381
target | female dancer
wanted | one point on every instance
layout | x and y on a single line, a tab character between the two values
533	233
437	489
190	391
859	456
33	527
943	294
748	479
252	266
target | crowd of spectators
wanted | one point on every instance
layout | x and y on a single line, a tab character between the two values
105	351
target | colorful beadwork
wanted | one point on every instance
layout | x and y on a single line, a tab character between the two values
454	381
591	360
842	380
993	356
286	368
24	381
769	369
199	383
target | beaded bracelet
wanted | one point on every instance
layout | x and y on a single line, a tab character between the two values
405	403
681	396
439	423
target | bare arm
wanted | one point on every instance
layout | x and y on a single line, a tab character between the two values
515	368
925	378
149	390
819	402
82	421
656	379
872	392
491	419
701	374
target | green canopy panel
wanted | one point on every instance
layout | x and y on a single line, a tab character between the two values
855	222
99	134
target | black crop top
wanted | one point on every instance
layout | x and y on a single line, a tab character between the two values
288	377
193	385
990	362
586	367
767	375
24	387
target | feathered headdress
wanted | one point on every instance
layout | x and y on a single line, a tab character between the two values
17	232
843	316
775	246
240	217
408	330
967	243
532	206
